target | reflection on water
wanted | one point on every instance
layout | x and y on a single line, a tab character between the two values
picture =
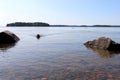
106	53
4	47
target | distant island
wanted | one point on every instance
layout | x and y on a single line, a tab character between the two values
28	24
41	24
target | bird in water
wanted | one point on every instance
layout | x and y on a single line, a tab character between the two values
38	36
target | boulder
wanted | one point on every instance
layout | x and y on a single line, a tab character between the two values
103	43
8	37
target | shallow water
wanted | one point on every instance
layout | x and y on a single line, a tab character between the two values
59	54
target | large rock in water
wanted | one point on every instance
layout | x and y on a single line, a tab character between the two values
103	43
8	37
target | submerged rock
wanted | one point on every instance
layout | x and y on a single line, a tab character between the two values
103	43
8	37
106	53
44	79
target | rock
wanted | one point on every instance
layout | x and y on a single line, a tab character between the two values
44	79
8	37
103	43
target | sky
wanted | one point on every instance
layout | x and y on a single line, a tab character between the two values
66	12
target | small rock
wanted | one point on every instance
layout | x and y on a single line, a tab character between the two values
44	79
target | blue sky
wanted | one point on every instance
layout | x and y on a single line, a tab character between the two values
72	12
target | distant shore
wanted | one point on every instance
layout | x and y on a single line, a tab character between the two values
23	24
41	24
85	25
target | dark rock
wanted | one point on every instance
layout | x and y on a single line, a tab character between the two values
103	43
8	37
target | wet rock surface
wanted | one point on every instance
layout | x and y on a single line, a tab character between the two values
8	37
103	43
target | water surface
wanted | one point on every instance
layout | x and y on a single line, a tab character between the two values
59	54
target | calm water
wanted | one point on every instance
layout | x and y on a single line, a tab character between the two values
58	55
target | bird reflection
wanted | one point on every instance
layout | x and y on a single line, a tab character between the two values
5	47
106	53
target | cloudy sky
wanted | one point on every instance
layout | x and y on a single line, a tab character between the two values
75	12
